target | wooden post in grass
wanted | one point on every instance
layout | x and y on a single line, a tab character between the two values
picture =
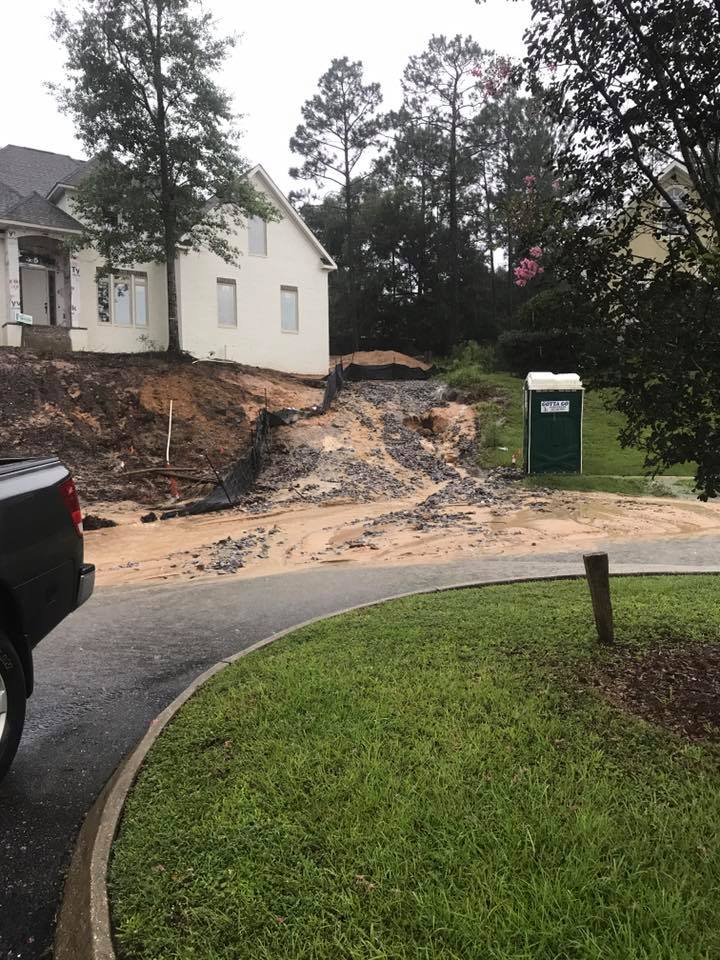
597	570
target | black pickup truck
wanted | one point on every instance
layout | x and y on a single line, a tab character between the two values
42	577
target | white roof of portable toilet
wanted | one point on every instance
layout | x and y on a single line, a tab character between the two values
553	381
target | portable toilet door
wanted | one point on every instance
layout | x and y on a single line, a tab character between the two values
553	422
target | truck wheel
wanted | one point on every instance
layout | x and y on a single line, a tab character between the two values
12	703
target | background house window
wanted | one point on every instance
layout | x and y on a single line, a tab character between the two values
227	303
257	237
678	196
122	299
289	312
671	219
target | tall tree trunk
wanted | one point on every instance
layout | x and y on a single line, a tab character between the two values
167	190
490	240
350	243
510	246
172	301
510	254
422	260
351	267
453	325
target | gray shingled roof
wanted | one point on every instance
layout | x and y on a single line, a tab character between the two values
28	171
8	197
37	210
26	177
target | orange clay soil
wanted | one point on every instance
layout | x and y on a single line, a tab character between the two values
380	357
106	416
352	534
378	480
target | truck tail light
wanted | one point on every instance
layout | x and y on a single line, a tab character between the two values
68	491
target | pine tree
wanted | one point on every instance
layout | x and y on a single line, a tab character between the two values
340	126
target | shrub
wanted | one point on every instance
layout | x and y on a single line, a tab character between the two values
466	367
470	379
473	354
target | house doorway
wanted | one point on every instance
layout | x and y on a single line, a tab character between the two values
37	293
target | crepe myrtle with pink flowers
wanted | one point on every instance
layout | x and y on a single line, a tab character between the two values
529	267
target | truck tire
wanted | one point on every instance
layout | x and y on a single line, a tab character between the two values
12	703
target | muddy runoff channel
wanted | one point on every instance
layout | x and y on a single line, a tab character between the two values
387	476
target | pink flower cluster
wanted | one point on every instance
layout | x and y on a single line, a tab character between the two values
530	180
529	268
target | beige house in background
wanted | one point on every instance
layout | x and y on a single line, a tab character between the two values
270	311
676	182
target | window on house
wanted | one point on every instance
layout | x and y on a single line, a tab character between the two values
227	303
669	218
141	302
122	309
289	312
122	299
103	293
678	196
257	237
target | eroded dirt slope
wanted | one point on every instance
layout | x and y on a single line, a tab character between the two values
386	476
106	416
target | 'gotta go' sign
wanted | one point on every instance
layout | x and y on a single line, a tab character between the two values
554	406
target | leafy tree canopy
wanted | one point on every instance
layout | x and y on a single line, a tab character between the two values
166	170
634	85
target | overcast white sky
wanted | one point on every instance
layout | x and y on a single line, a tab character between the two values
286	45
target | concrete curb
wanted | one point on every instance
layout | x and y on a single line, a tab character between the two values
84	927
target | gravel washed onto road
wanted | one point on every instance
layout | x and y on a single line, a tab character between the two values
386	476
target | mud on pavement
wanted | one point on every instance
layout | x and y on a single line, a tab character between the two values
386	476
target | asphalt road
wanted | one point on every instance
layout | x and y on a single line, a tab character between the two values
104	674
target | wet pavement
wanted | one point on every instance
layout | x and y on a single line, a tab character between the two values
104	674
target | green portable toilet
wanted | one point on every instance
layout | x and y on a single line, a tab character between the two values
553	423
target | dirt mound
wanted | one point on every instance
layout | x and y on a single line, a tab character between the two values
380	357
106	417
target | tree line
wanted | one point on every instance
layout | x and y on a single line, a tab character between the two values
496	196
423	207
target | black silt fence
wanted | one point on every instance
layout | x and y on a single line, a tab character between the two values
335	383
385	371
239	479
242	475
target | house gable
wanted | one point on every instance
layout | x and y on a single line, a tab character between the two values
278	198
675	172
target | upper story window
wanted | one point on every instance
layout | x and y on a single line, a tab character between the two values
122	298
257	237
670	219
226	303
678	195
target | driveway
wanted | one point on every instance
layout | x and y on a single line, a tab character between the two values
102	676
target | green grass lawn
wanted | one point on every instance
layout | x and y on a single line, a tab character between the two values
606	465
433	778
